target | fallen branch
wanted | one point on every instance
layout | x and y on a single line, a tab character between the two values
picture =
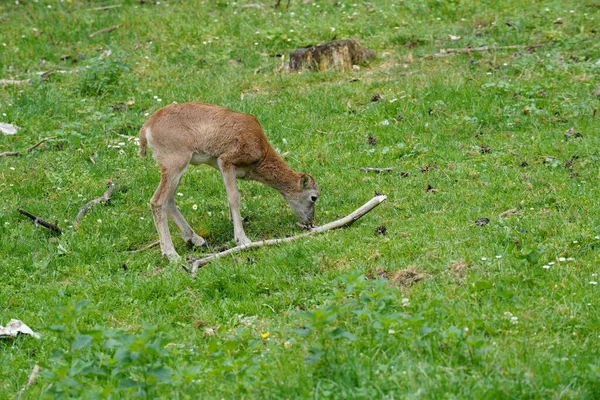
468	50
32	376
40	142
16	82
105	30
102	199
16	153
38	221
347	220
378	170
151	245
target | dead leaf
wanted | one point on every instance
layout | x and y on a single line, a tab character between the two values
558	21
208	331
8	129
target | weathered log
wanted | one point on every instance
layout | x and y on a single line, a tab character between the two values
338	55
197	263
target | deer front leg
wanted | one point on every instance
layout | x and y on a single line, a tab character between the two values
233	198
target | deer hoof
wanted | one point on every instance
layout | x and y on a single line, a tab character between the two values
196	241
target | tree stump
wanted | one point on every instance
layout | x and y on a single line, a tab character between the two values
339	55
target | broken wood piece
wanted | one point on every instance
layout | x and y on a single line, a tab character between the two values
38	221
16	327
102	199
347	220
339	55
105	30
16	82
468	50
32	376
508	213
378	170
9	153
104	8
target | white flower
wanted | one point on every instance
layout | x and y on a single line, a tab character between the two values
195	207
546	267
593	283
561	259
180	194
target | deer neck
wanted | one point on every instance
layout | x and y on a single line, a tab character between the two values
274	172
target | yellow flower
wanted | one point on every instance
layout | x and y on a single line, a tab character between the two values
265	335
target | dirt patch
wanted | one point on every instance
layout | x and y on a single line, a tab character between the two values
459	267
409	276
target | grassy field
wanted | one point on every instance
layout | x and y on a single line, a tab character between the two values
416	300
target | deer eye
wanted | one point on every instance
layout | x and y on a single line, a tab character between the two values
313	198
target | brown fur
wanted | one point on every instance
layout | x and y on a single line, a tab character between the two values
234	143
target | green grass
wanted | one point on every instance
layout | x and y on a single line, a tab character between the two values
326	316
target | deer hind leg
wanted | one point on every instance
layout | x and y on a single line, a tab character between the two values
160	204
233	198
186	230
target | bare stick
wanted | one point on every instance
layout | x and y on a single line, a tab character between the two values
38	221
106	7
467	50
102	199
378	170
347	220
40	142
151	245
32	376
16	82
105	30
16	153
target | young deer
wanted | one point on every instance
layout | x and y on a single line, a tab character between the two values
233	143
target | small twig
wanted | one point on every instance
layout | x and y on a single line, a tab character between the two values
347	220
16	153
468	50
106	7
40	142
32	376
102	199
105	30
38	221
377	169
151	245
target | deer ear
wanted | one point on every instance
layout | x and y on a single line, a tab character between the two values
304	180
